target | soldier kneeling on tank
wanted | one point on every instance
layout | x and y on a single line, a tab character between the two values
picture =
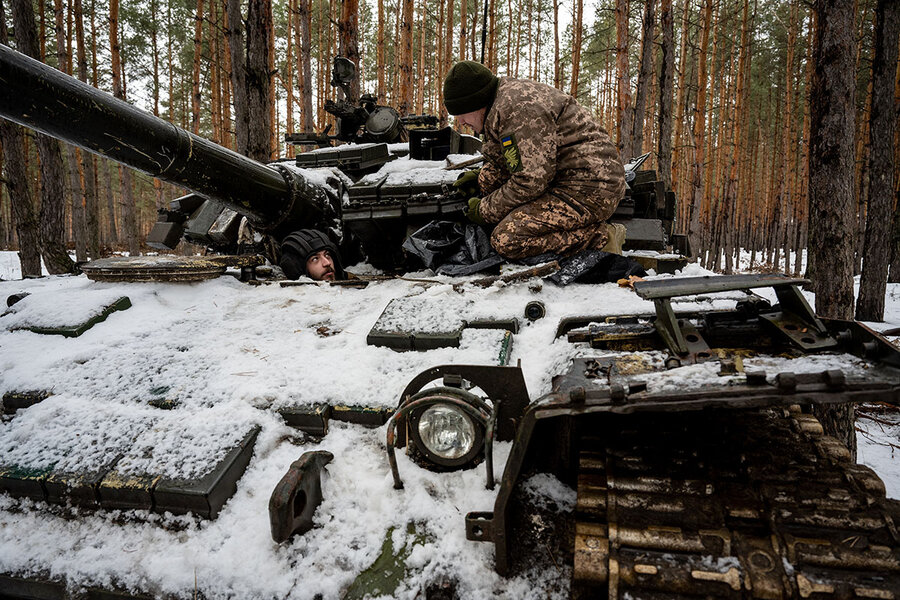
551	177
311	253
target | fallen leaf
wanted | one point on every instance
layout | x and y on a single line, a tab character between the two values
629	283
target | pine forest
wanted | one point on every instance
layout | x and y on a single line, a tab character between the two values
720	92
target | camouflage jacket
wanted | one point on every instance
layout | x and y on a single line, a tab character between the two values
537	137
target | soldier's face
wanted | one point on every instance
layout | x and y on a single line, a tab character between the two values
474	119
320	266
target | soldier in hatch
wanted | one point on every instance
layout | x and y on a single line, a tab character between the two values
312	253
551	175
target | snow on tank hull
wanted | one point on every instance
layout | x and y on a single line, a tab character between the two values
697	467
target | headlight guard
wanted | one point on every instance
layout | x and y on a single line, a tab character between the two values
450	427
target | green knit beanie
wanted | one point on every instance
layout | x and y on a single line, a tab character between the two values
469	86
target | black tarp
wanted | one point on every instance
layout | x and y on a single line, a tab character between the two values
451	248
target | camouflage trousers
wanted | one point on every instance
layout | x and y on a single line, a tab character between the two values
564	220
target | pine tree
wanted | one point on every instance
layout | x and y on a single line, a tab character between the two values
52	213
873	282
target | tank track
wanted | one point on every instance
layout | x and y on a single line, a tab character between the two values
725	504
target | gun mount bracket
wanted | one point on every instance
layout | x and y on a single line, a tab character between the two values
796	321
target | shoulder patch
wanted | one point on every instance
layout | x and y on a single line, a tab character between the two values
511	152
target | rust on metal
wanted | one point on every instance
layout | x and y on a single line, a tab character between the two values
296	497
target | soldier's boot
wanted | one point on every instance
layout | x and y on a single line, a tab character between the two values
615	238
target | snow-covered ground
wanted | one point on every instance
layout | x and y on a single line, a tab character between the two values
230	353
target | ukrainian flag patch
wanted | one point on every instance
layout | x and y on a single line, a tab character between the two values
511	152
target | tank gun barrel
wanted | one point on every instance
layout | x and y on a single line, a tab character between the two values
40	97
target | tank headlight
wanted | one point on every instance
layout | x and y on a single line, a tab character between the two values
446	431
446	428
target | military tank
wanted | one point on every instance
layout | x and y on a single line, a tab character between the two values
337	189
683	434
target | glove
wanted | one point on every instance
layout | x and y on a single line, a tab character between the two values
473	213
467	183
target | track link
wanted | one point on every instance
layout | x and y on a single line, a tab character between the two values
726	504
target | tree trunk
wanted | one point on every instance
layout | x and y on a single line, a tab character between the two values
666	82
15	176
154	53
224	69
420	74
395	73
271	103
257	82
170	65
306	96
699	134
681	119
873	282
831	158
474	33
129	218
88	162
113	231
448	57
732	186
76	193
831	179
624	110
235	34
379	53
787	191
53	201
644	76
576	45
215	99
492	37
463	23
195	78
538	40
510	48
405	104
289	72
557	76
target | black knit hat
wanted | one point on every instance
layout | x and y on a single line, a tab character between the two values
300	245
469	86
